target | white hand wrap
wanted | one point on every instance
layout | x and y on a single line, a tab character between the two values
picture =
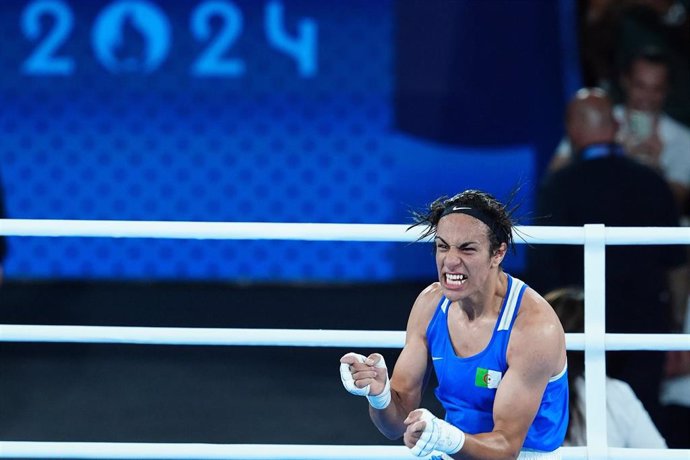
438	435
379	401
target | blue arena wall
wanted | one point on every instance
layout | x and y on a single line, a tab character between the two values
270	111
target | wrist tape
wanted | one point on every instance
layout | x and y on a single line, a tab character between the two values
379	401
438	435
382	400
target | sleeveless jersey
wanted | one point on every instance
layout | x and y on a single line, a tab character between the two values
467	386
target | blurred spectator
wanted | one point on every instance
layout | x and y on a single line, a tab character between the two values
628	423
604	185
613	32
675	395
647	133
597	34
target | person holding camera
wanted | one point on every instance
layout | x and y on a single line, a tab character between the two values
646	132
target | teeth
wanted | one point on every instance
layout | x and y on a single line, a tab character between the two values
456	278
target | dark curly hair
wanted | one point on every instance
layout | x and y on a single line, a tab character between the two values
499	214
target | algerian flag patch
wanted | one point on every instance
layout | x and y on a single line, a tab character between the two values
486	378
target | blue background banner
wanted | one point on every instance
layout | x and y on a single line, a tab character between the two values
269	111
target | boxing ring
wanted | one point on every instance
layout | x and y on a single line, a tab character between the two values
594	341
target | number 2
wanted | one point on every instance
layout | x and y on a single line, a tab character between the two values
44	59
211	62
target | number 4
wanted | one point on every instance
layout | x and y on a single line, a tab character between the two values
302	48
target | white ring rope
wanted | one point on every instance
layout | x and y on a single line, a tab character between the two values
316	231
201	336
284	337
593	341
207	230
160	451
197	451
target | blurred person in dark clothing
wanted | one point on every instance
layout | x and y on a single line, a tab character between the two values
646	131
612	33
605	185
628	423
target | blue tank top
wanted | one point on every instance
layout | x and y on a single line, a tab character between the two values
467	386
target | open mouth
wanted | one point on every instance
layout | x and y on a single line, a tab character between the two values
455	279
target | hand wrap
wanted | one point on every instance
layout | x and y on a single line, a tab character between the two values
438	435
379	401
